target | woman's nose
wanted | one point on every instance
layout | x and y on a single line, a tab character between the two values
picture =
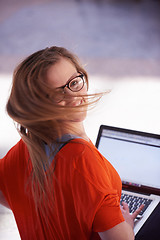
71	99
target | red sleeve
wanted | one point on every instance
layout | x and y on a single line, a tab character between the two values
109	209
12	170
100	185
5	164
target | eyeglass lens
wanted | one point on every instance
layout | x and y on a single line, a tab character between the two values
75	85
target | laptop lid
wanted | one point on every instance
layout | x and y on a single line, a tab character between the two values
135	155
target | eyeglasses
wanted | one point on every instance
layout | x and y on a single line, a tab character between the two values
75	85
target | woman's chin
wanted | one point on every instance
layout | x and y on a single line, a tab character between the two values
80	118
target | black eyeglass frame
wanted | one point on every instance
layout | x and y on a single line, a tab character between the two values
68	84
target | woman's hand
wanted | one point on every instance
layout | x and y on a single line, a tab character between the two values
129	218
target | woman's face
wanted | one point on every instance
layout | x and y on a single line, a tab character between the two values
58	76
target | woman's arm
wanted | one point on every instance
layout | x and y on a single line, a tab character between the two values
124	230
3	200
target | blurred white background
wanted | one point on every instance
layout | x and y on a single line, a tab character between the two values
132	103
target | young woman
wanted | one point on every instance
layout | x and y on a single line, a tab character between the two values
54	179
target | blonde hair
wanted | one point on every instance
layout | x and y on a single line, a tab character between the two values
38	118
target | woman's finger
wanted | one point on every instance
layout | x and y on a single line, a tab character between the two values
138	210
125	206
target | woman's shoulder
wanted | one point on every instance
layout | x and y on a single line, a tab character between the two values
79	146
83	154
16	152
90	164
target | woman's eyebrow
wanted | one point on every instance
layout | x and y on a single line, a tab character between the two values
73	76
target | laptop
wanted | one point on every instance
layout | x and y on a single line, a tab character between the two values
136	157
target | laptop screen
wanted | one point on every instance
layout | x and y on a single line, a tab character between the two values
135	155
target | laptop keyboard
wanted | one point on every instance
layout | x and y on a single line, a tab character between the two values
134	202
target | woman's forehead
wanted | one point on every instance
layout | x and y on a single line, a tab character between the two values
60	73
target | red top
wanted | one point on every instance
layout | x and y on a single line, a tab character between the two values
87	192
